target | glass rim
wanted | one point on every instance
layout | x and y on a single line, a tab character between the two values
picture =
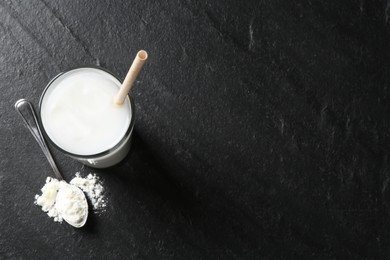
92	156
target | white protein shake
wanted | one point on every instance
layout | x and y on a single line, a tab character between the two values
79	115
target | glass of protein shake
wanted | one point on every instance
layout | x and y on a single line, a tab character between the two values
79	117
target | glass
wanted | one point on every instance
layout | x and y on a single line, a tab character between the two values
108	157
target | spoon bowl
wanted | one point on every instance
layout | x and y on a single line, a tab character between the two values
70	211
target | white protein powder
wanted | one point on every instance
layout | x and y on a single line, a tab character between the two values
93	188
48	198
71	204
57	199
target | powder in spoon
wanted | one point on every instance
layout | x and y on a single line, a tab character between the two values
56	203
71	204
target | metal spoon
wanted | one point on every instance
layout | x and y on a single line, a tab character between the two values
26	111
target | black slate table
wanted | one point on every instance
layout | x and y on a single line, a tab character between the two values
262	129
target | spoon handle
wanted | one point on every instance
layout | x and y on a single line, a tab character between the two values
26	110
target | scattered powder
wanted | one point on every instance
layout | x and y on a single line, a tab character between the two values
93	188
59	200
48	198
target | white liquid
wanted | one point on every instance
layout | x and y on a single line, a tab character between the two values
79	115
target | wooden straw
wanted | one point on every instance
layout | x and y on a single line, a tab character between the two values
134	70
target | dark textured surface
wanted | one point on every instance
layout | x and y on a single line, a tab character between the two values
262	128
